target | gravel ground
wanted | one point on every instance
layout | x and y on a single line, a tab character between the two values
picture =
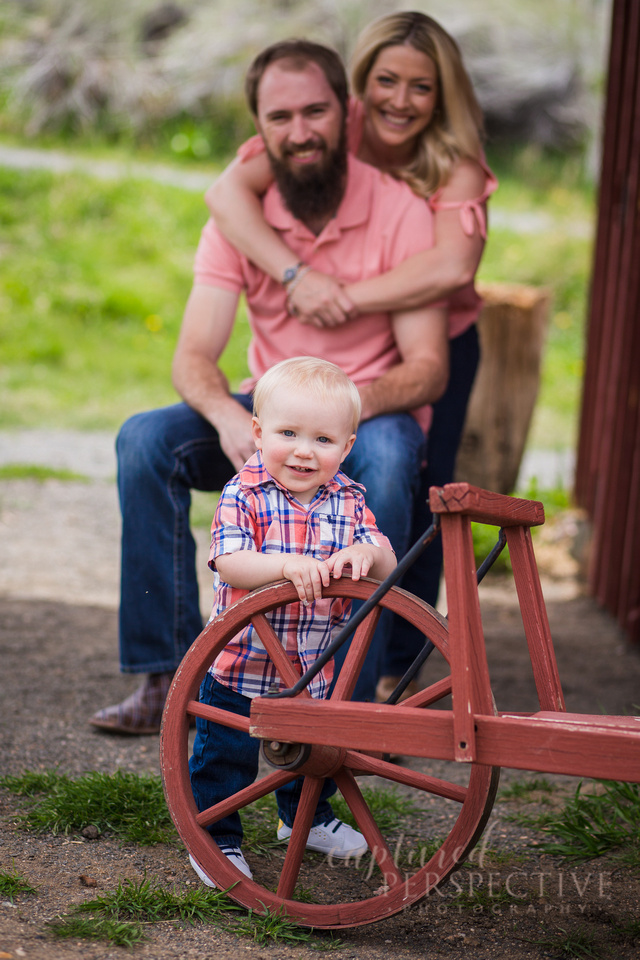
58	592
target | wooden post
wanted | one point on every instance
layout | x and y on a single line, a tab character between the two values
512	329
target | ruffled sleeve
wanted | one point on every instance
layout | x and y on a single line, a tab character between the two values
250	148
472	212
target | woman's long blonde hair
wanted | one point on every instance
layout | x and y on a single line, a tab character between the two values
456	129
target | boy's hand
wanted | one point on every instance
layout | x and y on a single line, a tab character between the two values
308	576
361	557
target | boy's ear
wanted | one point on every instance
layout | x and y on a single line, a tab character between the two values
347	447
256	430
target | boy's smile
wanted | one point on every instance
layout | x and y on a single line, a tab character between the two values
303	440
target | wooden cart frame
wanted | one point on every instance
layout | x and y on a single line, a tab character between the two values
339	738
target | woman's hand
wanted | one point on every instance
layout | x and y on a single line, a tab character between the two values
320	301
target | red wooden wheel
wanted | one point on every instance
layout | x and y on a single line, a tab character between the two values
456	802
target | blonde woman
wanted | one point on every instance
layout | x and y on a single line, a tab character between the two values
413	114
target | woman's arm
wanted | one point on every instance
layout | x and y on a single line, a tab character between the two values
235	205
439	271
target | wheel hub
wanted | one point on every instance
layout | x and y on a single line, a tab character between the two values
315	761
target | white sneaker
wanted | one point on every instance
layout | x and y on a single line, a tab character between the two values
335	838
234	855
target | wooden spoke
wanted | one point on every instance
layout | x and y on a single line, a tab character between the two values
361	763
431	694
243	798
273	646
368	827
360	642
297	844
216	715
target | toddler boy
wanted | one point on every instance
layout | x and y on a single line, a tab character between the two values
289	514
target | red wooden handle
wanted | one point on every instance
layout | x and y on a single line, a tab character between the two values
482	506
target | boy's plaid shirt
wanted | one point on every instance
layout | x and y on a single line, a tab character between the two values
256	513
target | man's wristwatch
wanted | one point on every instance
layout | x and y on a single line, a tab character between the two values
291	273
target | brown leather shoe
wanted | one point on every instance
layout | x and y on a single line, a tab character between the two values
141	713
386	686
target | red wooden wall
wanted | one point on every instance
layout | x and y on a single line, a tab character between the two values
608	463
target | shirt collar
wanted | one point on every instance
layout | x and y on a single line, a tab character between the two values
255	474
354	208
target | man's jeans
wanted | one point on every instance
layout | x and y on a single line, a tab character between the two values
162	456
225	761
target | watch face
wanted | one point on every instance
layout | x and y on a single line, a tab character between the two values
290	273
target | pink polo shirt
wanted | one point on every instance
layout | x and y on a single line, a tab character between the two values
379	223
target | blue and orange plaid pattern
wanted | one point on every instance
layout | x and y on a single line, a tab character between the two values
256	513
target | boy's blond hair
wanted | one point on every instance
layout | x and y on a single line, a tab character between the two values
323	379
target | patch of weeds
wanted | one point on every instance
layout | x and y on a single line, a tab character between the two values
577	943
388	807
120	933
525	789
30	783
33	471
271	928
12	884
494	856
486	898
540	821
597	823
151	903
304	894
126	805
120	916
630	929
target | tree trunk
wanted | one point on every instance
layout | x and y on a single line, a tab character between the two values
512	329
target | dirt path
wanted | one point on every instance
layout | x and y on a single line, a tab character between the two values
59	661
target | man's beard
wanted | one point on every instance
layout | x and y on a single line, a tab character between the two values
313	192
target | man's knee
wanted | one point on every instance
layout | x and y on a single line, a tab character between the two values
140	441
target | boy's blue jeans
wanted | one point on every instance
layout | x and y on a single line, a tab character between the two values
162	456
225	761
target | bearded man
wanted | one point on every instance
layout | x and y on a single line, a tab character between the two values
341	217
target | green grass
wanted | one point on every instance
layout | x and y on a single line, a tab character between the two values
581	944
203	507
532	181
12	884
94	278
604	821
128	806
122	916
526	789
132	807
93	283
32	471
